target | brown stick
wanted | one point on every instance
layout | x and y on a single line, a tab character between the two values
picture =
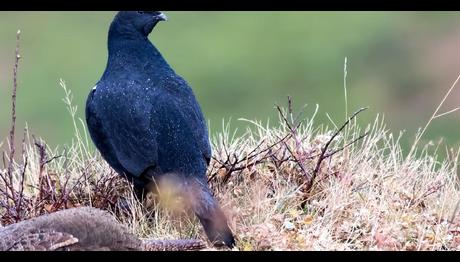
173	245
13	108
13	112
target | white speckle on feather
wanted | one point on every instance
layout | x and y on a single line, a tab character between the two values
94	88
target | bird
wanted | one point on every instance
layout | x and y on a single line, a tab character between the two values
82	229
148	125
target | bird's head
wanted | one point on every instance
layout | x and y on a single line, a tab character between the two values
132	24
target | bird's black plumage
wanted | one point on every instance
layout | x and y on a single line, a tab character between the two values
147	123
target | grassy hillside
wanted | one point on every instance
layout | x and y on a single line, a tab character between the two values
301	186
314	177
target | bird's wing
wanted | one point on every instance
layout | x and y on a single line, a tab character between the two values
124	117
200	127
181	132
43	240
99	134
191	110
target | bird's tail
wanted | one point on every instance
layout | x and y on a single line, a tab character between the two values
198	198
215	225
211	216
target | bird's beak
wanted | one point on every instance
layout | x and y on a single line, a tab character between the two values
162	17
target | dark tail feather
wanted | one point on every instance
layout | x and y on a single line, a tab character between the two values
211	216
198	197
215	225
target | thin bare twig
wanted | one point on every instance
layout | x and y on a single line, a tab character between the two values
23	173
8	180
13	108
434	116
347	145
233	166
324	150
446	113
293	134
296	160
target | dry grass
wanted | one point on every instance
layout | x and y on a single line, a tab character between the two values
282	187
366	196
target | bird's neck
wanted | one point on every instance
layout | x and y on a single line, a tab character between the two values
135	46
136	52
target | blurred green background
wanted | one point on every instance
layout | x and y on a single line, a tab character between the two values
240	64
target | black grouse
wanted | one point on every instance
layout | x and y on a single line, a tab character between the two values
147	124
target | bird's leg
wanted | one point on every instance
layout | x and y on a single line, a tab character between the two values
140	193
